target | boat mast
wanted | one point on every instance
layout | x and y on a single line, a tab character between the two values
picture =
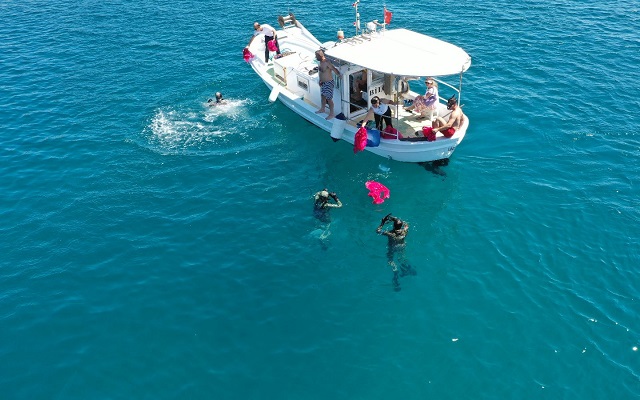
357	23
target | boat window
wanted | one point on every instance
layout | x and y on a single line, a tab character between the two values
376	75
358	85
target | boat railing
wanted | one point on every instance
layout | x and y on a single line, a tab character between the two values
457	90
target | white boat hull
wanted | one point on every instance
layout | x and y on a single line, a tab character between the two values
298	90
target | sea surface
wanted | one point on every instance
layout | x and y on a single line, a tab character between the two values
154	248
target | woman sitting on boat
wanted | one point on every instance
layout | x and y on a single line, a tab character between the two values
380	111
427	103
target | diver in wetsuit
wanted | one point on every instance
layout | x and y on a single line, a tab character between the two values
322	199
321	207
322	204
396	246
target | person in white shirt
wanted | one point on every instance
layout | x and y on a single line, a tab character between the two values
380	111
269	35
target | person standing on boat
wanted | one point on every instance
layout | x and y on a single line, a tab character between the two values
380	111
456	119
269	35
326	82
427	103
396	247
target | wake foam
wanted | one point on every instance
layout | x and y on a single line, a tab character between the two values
211	128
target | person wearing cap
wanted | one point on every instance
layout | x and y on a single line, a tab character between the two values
380	111
456	119
219	100
427	103
321	200
269	34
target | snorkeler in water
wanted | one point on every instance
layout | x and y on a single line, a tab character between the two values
396	247
322	200
219	100
321	207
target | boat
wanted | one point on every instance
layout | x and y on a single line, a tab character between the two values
392	59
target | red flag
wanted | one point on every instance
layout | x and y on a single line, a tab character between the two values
387	16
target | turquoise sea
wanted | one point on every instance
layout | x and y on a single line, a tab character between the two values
152	248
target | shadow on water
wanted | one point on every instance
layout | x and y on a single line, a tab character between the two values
435	166
404	270
322	232
401	266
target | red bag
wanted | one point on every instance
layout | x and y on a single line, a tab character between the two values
389	133
360	140
247	55
428	132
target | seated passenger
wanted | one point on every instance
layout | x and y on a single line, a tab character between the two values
426	105
456	119
359	85
380	111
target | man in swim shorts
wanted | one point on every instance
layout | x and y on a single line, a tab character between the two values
325	79
456	119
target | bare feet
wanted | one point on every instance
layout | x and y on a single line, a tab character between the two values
330	116
320	112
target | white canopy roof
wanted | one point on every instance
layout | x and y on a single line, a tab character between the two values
404	53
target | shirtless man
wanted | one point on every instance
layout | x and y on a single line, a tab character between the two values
326	83
456	119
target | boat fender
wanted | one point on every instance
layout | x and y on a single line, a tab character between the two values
274	94
339	123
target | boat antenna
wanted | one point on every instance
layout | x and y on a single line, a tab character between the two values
357	23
